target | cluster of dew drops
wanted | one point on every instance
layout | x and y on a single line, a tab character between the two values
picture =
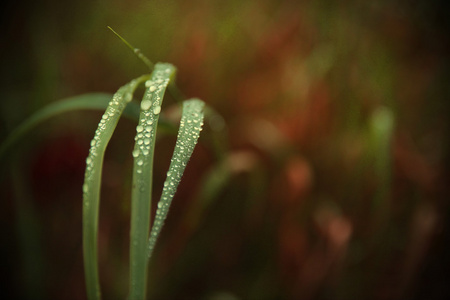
105	130
150	109
190	128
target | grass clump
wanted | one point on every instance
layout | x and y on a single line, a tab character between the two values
143	236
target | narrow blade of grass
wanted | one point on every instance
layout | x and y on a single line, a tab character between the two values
87	101
142	177
190	126
382	125
94	101
138	52
91	186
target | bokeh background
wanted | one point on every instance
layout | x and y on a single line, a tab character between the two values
324	174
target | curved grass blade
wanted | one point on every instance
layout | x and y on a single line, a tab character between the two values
94	101
190	126
91	186
142	177
87	101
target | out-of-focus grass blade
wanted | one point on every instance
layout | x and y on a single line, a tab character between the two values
94	101
87	101
91	186
142	177
190	126
382	127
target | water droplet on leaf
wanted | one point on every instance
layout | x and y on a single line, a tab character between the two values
145	104
157	110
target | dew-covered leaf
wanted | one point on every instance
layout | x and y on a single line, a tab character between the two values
142	176
92	179
190	126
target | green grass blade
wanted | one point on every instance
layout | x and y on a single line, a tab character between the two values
190	126
87	101
94	101
382	125
91	186
142	177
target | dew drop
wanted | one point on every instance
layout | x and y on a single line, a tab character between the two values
145	104
135	153
157	110
152	88
128	97
140	162
139	128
